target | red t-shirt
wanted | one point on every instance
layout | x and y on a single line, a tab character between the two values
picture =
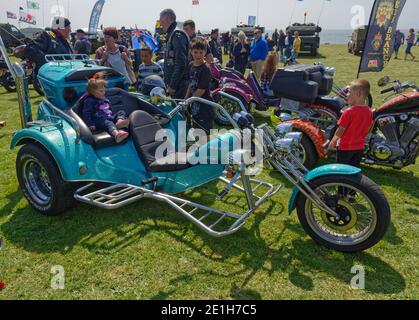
357	120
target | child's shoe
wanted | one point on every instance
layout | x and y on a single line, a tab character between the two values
120	136
122	123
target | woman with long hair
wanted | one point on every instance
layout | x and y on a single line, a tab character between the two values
269	68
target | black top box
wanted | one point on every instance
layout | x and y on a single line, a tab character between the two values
301	83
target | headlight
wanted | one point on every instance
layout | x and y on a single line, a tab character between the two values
284	145
296	136
283	129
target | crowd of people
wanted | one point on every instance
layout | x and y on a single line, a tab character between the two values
185	72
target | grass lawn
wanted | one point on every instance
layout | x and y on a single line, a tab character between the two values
148	251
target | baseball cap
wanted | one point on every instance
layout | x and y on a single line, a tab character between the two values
60	23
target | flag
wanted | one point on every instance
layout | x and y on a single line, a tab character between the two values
195	2
251	21
379	43
141	39
11	15
95	16
33	5
27	18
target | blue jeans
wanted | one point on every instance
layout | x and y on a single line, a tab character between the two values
108	124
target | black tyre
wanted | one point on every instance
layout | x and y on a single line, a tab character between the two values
9	83
370	100
363	209
307	153
37	87
231	106
41	181
314	52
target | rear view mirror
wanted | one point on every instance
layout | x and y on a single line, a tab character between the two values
384	81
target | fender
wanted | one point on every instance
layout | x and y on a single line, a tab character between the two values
326	170
246	96
315	134
59	142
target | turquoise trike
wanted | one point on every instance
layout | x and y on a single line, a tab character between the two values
61	161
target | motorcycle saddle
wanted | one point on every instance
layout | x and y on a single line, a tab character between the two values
143	130
335	104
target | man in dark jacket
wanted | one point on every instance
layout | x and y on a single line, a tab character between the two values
176	56
215	45
50	42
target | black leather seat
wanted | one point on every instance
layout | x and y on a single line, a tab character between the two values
120	100
143	130
334	104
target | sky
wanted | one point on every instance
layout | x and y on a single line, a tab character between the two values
222	14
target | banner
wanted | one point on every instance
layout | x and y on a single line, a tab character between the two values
33	5
27	18
95	16
251	21
379	43
195	2
11	15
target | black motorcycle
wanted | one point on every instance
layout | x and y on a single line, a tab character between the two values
29	68
6	79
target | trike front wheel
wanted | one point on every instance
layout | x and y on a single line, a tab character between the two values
41	181
364	213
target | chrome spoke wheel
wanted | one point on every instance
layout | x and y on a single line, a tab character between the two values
36	181
357	215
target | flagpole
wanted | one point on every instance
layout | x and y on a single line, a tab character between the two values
293	11
43	14
365	42
258	23
321	12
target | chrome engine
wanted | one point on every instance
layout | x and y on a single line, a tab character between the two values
395	140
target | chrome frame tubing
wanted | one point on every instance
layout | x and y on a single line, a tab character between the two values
63	57
71	120
127	194
19	75
203	101
294	175
230	97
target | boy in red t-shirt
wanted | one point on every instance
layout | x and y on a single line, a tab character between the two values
353	126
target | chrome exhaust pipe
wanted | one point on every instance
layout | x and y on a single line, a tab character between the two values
22	87
22	90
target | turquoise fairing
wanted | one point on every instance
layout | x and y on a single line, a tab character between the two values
326	170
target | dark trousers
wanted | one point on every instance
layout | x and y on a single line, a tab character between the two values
240	68
181	91
352	157
108	124
202	117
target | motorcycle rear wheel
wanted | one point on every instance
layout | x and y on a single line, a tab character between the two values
362	206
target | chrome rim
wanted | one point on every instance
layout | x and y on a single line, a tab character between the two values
36	181
230	106
324	120
358	217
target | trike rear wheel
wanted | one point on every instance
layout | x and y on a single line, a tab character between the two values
41	181
364	213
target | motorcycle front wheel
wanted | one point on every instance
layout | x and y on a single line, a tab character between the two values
364	213
230	106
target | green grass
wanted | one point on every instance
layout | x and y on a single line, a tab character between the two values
148	251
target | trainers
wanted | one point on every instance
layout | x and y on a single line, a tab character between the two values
121	136
122	123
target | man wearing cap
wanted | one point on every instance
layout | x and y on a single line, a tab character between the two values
82	45
176	73
215	45
50	42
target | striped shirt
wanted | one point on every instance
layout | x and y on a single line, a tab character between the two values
145	71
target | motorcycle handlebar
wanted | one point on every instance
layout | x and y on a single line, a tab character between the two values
387	90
